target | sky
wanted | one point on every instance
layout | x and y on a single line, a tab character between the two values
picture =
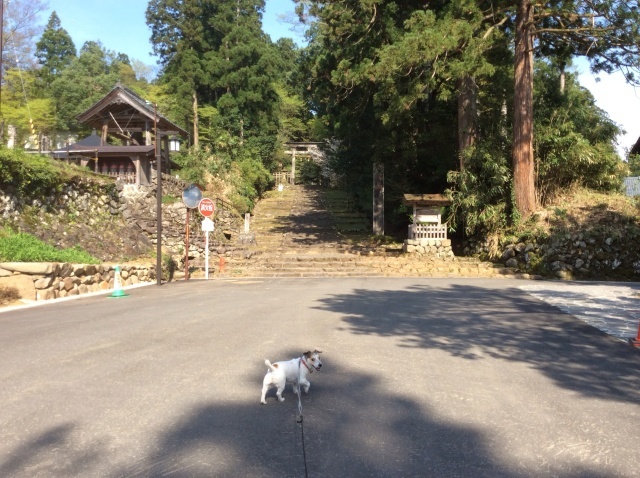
120	26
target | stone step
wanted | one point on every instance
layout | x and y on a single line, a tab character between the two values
338	263
295	236
371	267
231	272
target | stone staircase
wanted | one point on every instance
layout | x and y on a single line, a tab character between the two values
295	237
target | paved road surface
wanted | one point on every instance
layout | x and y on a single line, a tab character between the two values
611	307
421	377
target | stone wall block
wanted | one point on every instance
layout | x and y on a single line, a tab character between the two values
47	294
65	270
31	268
44	282
68	283
23	283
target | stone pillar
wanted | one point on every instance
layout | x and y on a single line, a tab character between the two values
293	165
378	199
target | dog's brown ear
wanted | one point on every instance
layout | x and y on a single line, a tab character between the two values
317	351
307	353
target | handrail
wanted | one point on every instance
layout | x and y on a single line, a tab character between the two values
224	205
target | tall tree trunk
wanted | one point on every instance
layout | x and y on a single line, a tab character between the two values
467	116
196	141
523	165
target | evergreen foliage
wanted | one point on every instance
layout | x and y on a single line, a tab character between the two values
574	138
54	51
634	165
427	89
86	80
385	78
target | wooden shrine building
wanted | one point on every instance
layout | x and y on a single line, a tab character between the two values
427	216
122	145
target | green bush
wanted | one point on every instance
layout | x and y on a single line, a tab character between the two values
28	173
33	176
169	267
21	247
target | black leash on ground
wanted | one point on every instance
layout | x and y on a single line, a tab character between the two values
299	419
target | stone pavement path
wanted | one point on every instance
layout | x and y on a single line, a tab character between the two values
613	308
294	219
295	236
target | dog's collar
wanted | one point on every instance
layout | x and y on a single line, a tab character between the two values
310	369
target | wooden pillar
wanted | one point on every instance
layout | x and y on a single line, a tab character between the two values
165	153
378	199
147	134
105	129
136	165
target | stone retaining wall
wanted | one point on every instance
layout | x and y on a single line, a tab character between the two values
115	220
440	248
574	255
138	206
46	280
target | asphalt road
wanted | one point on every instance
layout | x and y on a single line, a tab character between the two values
421	378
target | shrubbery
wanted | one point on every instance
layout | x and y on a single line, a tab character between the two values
21	247
27	174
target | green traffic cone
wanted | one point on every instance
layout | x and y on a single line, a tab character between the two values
117	285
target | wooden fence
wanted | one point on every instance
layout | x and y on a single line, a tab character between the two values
427	231
282	177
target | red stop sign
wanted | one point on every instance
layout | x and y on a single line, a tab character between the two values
206	207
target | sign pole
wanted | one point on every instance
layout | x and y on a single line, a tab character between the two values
158	154
186	258
191	196
206	255
207	208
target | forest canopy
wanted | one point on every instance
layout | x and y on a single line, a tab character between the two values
476	98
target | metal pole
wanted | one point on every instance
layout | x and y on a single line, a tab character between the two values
206	256
158	197
186	258
1	67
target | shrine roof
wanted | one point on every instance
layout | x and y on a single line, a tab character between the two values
107	150
123	110
425	200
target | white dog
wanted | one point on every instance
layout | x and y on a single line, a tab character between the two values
293	371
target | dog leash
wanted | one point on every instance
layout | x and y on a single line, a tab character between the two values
299	419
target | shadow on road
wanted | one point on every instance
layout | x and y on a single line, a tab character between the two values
346	434
353	425
468	322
